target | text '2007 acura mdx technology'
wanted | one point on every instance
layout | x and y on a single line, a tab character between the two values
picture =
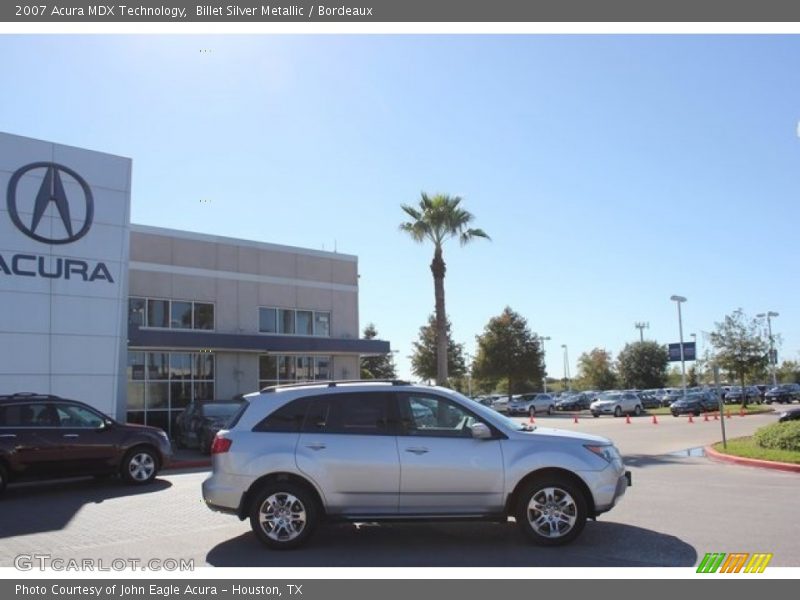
383	451
47	437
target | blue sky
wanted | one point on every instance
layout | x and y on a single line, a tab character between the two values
610	171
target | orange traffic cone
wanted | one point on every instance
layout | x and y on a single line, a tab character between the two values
741	412
532	420
728	414
628	419
575	418
705	417
655	420
691	420
716	416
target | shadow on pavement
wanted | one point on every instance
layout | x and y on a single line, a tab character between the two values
646	460
602	544
49	506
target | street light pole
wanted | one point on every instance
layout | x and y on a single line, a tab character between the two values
641	326
469	375
566	368
543	339
680	300
772	365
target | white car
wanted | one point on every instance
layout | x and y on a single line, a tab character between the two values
617	404
530	404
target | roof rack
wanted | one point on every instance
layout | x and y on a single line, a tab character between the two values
29	395
333	384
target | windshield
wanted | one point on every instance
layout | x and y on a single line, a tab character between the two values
609	396
226	409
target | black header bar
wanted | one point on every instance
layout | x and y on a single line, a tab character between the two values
376	11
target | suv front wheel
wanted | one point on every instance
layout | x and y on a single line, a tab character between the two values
283	515
139	466
551	511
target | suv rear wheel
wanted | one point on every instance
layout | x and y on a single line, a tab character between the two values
551	511
283	515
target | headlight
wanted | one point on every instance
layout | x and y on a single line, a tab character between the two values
608	452
163	434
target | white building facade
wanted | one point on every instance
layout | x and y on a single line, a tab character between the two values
137	320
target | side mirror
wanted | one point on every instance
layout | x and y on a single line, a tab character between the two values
480	431
106	424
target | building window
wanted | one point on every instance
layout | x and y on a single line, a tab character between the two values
285	321
203	315
289	321
322	324
162	384
277	369
181	315
268	320
171	314
158	313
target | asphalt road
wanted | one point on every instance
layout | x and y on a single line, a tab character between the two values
678	509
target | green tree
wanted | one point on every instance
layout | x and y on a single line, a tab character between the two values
438	219
424	353
691	376
789	372
507	349
380	366
739	347
643	365
596	370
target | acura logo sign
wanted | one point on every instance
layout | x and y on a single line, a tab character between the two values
50	192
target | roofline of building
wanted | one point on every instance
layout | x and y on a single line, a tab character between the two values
219	239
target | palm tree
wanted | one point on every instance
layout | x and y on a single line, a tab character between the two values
438	219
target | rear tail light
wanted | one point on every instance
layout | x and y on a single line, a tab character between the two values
220	445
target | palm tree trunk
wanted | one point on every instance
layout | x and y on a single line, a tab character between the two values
438	269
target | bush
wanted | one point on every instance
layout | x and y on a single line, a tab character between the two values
779	436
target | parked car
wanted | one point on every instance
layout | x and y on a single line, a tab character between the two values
47	437
789	415
617	404
530	404
735	394
301	454
670	395
196	426
695	403
783	393
648	399
578	401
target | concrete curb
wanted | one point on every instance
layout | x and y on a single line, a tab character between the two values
751	462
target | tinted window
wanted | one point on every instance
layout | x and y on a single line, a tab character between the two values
29	415
365	413
288	418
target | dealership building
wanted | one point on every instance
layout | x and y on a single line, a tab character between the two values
138	320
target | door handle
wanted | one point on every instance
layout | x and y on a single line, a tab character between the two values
71	435
316	446
417	450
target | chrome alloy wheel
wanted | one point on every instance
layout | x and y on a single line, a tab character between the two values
552	512
141	466
282	517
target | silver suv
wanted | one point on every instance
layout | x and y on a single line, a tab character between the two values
390	451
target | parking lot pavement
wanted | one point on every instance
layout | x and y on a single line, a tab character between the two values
678	509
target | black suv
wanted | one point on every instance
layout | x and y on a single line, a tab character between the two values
786	392
45	437
196	426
